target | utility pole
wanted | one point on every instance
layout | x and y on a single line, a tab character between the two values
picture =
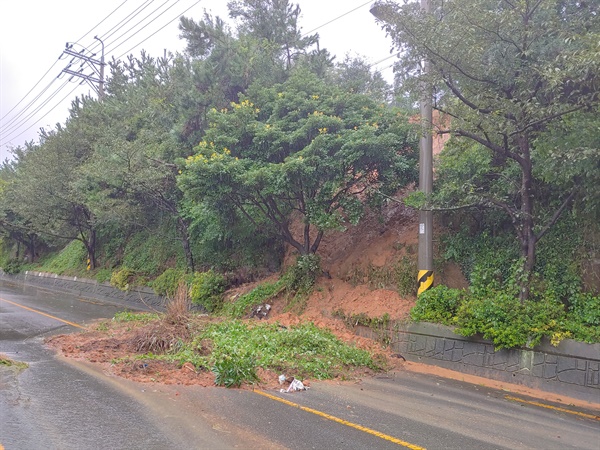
96	78
425	277
425	262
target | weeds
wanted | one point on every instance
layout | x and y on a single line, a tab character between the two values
7	362
178	306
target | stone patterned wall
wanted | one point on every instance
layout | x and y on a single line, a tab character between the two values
138	298
571	369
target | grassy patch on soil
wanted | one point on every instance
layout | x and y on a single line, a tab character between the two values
236	351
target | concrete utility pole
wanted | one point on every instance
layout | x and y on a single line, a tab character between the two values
425	277
94	79
425	263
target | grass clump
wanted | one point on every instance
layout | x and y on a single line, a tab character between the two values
259	295
305	350
128	316
7	362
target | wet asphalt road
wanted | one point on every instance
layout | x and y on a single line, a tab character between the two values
64	404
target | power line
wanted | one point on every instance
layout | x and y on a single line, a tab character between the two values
167	1
51	109
30	115
42	77
124	21
164	26
102	21
337	18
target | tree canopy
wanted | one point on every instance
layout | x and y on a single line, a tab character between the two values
301	147
505	74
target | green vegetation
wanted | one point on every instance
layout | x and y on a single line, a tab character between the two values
203	166
238	349
206	290
506	321
257	296
71	260
7	362
128	316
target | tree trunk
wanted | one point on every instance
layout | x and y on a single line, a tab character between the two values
31	246
528	238
90	246
184	234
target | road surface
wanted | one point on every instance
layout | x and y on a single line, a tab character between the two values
58	403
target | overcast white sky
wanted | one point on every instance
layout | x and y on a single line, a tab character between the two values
33	34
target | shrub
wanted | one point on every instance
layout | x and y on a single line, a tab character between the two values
13	266
166	283
507	322
438	304
583	317
206	290
301	277
103	275
121	278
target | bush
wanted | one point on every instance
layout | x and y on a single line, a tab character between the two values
166	283
507	322
121	278
13	266
301	278
438	304
583	317
206	290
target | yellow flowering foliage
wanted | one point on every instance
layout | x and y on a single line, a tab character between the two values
207	148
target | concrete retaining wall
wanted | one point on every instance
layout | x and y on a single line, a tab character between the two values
571	369
135	298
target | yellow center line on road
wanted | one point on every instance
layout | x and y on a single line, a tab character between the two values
44	314
342	421
555	408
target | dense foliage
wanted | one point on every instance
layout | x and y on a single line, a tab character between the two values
203	166
508	75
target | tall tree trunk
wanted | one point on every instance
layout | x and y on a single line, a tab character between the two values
31	246
528	238
184	234
90	246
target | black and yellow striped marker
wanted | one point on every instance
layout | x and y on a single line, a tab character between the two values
425	280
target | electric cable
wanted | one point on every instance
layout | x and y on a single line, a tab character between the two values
44	75
8	125
164	26
167	1
132	15
49	111
102	21
337	18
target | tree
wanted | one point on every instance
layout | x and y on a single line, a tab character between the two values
301	147
505	72
42	192
132	173
354	75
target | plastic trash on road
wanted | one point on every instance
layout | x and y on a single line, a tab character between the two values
295	385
